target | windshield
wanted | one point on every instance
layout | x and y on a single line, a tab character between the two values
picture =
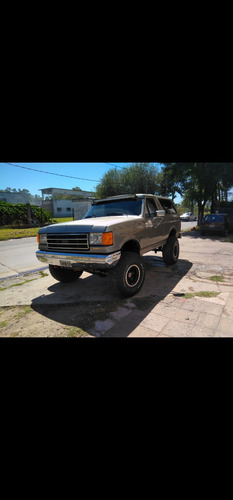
117	207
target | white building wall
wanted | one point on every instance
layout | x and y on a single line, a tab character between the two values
81	208
63	208
14	198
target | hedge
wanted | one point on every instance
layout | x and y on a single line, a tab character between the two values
17	214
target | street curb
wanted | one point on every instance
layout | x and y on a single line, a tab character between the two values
22	273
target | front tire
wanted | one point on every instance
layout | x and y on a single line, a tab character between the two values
64	275
171	251
129	274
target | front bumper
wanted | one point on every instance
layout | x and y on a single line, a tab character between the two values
78	260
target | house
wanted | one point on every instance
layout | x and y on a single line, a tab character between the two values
66	202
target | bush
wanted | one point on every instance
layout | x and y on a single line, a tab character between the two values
17	214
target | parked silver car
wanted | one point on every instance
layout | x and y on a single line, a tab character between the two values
188	216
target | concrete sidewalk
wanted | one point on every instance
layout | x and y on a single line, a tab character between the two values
186	310
178	317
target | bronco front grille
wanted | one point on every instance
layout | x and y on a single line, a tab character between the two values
68	242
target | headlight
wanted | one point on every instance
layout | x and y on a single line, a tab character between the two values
101	239
96	238
43	239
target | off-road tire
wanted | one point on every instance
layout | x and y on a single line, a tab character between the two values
171	251
128	276
64	275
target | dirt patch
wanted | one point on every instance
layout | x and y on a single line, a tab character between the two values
70	320
23	321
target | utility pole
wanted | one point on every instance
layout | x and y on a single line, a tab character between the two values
29	217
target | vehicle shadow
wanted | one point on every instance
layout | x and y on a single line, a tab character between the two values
91	306
213	236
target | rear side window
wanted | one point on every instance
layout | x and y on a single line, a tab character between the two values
168	206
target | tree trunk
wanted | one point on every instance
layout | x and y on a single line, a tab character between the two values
29	216
214	200
201	207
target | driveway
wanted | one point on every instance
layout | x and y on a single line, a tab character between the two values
192	298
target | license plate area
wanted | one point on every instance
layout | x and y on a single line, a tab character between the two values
65	263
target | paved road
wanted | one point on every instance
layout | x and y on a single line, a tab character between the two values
188	224
19	255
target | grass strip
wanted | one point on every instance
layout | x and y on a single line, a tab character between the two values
9	233
216	278
189	295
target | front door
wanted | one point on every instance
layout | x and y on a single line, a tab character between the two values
154	224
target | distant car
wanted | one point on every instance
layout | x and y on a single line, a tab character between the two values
216	223
188	216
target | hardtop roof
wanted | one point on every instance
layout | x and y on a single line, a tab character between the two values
128	197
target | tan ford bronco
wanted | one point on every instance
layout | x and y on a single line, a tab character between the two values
111	239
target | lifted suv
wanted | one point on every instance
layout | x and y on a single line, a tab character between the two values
111	239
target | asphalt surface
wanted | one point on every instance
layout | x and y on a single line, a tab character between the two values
188	225
17	256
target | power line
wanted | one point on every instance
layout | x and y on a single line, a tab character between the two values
113	165
117	166
61	175
51	173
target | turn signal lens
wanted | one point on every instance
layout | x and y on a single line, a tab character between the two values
107	239
38	238
42	238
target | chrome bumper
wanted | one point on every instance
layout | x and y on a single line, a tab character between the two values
56	259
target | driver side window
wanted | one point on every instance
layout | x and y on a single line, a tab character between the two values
150	209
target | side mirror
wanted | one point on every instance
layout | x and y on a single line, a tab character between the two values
160	213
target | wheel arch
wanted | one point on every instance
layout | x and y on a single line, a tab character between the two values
131	246
172	232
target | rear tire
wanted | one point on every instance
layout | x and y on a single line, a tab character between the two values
171	251
64	275
129	274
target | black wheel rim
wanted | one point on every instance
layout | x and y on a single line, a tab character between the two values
175	251
132	275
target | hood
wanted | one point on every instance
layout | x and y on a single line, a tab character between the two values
96	224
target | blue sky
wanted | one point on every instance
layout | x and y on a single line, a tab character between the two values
88	175
20	178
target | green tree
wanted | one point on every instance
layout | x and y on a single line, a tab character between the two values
35	198
138	178
199	182
110	184
171	180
